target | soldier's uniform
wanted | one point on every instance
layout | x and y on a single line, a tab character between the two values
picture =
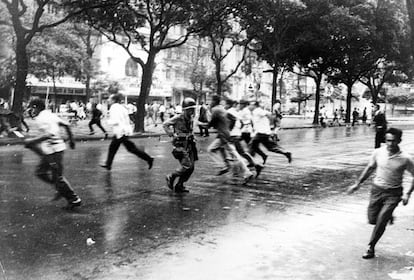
184	150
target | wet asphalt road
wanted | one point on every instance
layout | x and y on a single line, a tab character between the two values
293	222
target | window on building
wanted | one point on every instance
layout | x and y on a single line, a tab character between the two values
177	53
131	68
168	74
192	55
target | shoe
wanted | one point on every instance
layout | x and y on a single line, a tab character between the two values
369	254
264	159
289	157
247	179
170	182
258	170
91	133
106	167
150	162
181	189
75	202
223	171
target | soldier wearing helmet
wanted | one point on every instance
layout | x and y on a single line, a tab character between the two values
180	127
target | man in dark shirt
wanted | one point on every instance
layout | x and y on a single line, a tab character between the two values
355	116
180	128
96	119
380	124
222	144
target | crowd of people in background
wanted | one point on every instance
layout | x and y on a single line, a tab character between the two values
156	113
338	118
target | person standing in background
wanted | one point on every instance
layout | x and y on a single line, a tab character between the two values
202	117
380	125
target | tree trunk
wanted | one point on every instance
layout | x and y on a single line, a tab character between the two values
348	102
281	86
88	66
374	94
410	9
22	65
146	82
218	77
318	81
54	104
274	86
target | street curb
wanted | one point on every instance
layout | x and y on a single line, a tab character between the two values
20	141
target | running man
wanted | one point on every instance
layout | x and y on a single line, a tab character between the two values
50	147
222	144
236	135
96	119
180	127
122	129
389	164
261	125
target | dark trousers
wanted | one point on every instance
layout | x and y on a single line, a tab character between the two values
132	118
98	123
379	137
354	121
264	139
186	159
236	140
381	206
129	145
50	170
246	137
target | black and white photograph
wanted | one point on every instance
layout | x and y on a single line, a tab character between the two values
206	139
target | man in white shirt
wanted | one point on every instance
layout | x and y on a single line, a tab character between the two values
261	125
119	119
222	148
389	164
236	134
246	120
50	147
162	110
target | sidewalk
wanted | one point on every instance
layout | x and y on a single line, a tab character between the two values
81	129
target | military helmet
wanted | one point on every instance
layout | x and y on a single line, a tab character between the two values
188	103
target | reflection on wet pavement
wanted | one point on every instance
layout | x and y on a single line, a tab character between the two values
276	225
